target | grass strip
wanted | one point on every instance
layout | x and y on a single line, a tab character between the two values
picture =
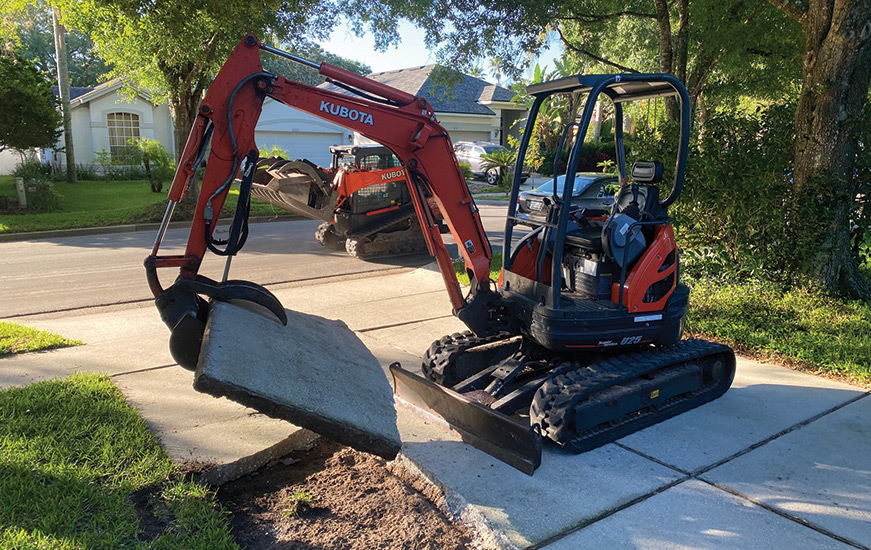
15	338
74	456
107	203
801	328
495	268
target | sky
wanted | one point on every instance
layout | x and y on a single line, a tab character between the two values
411	52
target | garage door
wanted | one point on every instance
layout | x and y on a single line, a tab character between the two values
308	145
460	135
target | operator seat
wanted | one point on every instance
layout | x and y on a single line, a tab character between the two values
642	191
623	241
637	200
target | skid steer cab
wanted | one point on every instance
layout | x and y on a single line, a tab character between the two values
578	342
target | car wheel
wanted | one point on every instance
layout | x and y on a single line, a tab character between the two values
492	176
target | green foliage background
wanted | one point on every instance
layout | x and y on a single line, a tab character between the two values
28	110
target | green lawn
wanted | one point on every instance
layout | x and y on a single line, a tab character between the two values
104	203
15	338
801	328
495	268
80	470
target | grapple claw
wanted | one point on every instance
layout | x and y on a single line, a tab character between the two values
234	290
185	341
185	312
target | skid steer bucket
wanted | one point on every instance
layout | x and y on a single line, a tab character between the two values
314	372
296	186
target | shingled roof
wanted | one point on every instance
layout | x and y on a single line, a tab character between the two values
467	96
75	91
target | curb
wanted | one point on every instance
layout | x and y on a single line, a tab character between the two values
132	228
113	229
485	536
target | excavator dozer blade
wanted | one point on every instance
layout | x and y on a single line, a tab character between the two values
510	440
314	373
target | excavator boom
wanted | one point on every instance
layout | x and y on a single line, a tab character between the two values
226	120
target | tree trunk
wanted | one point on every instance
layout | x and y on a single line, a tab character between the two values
837	69
183	109
63	84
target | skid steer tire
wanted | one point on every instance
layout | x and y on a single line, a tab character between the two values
326	237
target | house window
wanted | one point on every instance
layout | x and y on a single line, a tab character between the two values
122	127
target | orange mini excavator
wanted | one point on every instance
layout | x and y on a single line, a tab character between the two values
580	339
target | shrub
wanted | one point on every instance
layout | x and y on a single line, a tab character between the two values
593	153
42	197
466	168
730	216
31	169
86	172
273	151
156	162
501	160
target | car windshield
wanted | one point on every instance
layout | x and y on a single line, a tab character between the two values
492	148
581	183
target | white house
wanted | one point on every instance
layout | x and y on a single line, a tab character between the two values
104	118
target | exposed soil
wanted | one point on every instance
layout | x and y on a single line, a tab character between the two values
358	501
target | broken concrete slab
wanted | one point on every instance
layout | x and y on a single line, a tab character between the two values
314	372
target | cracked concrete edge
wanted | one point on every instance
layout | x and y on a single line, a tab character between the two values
224	473
486	537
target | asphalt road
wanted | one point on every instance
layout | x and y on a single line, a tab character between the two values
68	273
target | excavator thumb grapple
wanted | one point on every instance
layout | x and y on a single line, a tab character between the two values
579	340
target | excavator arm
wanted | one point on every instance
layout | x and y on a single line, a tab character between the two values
225	126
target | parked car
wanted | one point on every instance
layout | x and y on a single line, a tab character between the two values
591	190
470	152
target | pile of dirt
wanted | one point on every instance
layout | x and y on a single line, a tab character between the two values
356	501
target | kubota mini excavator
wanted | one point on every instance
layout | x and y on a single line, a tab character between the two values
580	339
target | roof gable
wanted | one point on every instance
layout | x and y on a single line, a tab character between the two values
86	95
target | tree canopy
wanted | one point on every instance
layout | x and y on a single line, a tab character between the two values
815	54
28	109
312	52
30	30
175	48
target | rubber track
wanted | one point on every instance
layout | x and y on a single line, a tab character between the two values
552	407
403	213
443	352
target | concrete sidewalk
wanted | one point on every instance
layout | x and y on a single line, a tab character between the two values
780	461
